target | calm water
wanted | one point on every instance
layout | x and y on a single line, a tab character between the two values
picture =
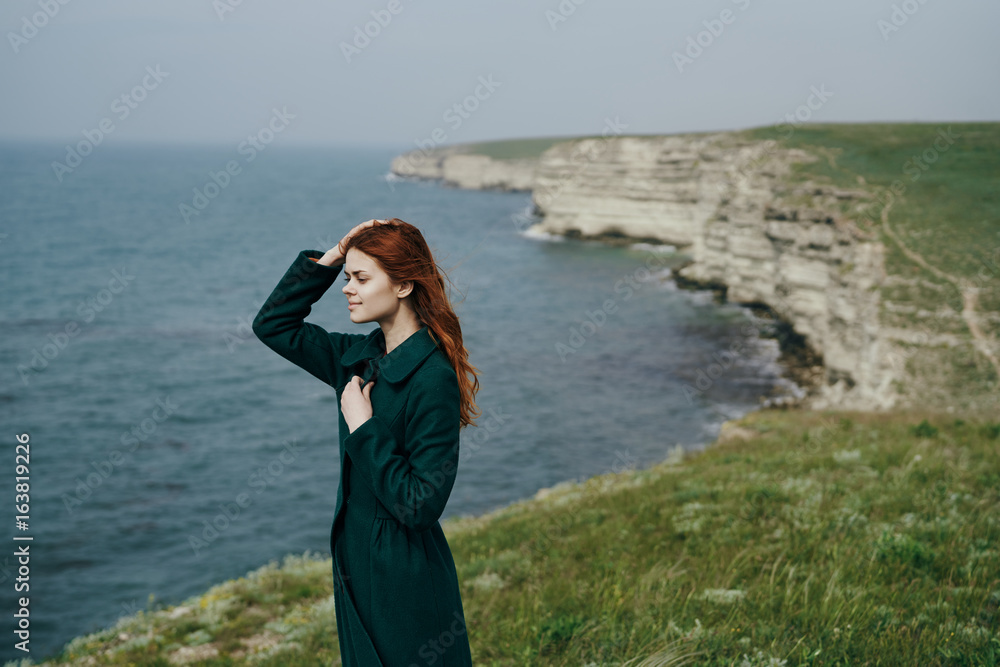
156	404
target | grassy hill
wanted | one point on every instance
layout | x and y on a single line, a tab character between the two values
796	539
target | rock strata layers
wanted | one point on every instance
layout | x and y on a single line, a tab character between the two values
753	232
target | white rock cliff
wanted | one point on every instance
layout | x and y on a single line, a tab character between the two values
753	234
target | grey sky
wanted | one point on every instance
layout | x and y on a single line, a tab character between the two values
606	60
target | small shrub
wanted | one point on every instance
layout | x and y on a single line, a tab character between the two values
992	431
924	430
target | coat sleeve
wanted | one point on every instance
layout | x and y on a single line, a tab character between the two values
280	322
414	485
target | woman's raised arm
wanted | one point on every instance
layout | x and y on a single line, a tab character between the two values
280	324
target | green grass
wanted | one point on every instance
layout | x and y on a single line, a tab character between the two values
512	149
812	538
508	149
948	213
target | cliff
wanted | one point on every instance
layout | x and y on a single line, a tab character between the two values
467	170
757	231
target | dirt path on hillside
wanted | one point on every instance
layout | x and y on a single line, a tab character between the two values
970	293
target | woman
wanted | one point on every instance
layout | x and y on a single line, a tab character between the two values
403	394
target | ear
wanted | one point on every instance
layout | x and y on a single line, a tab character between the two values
405	289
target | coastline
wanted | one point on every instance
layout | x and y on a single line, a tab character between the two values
792	222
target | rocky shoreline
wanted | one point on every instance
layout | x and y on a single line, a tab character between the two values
800	362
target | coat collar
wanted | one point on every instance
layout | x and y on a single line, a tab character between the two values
398	364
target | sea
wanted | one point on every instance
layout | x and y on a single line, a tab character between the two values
137	405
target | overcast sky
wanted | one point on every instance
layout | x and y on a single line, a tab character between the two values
458	70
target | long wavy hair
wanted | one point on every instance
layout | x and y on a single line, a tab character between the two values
402	252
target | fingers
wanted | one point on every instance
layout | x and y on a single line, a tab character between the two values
356	380
356	229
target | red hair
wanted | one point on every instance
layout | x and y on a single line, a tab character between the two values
401	251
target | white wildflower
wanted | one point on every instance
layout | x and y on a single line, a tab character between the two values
723	595
847	456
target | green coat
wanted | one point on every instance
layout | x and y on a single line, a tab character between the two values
396	591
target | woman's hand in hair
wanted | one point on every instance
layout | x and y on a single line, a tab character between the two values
335	256
356	403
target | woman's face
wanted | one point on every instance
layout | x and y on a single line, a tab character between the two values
368	286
